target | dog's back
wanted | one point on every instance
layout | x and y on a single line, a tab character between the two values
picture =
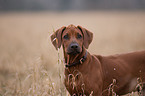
125	69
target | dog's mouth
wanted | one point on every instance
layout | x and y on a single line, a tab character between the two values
75	52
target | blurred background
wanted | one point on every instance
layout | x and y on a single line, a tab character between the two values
41	5
30	65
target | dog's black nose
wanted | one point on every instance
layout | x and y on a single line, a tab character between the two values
74	46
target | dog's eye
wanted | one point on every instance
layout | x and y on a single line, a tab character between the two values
79	36
66	36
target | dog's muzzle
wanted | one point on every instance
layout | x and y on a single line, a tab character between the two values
74	49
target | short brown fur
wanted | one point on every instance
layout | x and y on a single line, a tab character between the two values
95	75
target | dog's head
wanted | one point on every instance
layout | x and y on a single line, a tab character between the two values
72	38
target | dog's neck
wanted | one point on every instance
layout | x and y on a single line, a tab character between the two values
73	58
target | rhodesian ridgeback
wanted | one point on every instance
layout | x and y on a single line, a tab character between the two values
96	75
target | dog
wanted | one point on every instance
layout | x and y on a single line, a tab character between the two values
96	75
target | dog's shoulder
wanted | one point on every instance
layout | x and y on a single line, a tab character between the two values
101	57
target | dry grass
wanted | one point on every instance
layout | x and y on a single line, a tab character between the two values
28	60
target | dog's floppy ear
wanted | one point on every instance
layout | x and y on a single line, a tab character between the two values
56	37
88	36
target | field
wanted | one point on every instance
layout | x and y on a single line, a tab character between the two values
29	62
